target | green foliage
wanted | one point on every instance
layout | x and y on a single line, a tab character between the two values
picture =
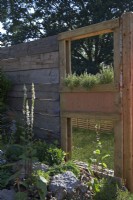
5	86
70	166
13	152
40	180
42	173
124	195
41	184
4	177
49	154
72	80
59	169
87	81
55	156
108	189
106	75
21	196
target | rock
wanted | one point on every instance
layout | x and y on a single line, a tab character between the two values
7	194
81	164
40	166
62	184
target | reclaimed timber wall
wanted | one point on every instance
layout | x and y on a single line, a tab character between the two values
35	62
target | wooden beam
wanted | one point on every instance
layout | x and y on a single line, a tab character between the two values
64	133
62	60
127	98
118	129
98	88
91	30
91	115
69	138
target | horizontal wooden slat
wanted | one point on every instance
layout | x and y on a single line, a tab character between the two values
34	76
47	106
47	135
98	88
42	121
47	87
91	30
47	122
91	115
44	45
47	60
39	95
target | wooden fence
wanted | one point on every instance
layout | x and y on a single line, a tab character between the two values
35	62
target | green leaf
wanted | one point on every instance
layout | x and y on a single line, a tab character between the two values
41	184
14	176
106	156
97	152
21	196
104	165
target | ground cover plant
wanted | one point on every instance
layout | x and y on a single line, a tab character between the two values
88	81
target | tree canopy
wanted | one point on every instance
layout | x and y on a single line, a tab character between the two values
26	20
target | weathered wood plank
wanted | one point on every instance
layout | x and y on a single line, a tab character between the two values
64	139
42	121
47	60
118	126
62	60
47	106
92	30
127	98
40	87
34	76
44	45
91	115
47	135
69	137
98	88
39	95
51	123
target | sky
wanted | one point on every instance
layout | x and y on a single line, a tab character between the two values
1	29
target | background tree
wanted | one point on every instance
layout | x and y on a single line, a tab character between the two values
26	20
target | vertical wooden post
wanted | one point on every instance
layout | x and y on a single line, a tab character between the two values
127	97
118	128
65	68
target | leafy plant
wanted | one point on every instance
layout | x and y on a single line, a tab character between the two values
5	85
72	80
87	81
68	166
40	180
27	137
106	75
13	152
4	178
5	121
49	154
97	160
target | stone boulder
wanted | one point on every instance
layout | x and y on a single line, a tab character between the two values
65	184
7	194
